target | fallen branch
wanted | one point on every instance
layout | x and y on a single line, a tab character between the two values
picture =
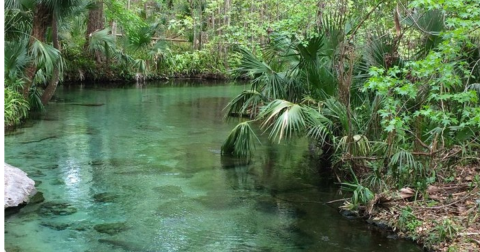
337	200
450	204
467	234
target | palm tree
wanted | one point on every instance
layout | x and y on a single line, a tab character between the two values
46	62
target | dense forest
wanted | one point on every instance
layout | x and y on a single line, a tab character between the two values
386	92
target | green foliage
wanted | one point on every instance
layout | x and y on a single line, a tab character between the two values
46	58
191	63
361	194
447	229
102	42
16	58
16	107
240	141
407	221
133	25
246	103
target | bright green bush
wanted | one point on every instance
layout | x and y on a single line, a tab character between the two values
16	107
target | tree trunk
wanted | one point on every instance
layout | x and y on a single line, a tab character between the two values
192	14
42	18
53	83
95	23
113	24
227	13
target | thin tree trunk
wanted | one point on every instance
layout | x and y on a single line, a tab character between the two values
42	18
262	19
192	14
200	33
113	24
227	13
53	83
345	76
145	8
213	22
95	23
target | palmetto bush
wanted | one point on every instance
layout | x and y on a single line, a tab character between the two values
293	94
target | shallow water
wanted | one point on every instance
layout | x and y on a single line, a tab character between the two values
139	169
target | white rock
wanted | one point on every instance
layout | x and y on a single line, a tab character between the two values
18	187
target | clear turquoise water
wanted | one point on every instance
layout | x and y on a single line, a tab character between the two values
154	153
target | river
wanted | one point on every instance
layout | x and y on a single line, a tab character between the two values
138	168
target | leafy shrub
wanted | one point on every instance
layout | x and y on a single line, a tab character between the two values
16	107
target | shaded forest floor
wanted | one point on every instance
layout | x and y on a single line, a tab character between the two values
446	219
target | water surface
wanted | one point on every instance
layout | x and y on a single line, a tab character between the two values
139	169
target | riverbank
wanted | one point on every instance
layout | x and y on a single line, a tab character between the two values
447	218
103	77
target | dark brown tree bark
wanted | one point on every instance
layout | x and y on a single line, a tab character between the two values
95	23
42	18
53	83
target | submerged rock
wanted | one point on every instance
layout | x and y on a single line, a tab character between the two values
168	191
50	167
218	201
104	197
18	187
37	198
37	173
57	181
177	209
111	228
127	246
55	226
96	162
56	208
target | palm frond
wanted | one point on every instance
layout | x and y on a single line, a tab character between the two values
380	51
337	112
46	57
269	82
403	158
359	147
241	141
142	36
248	102
17	23
431	23
284	119
333	27
34	99
101	41
320	127
250	64
16	58
316	69
311	52
140	66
